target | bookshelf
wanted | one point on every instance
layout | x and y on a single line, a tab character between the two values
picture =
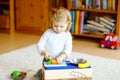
92	13
6	16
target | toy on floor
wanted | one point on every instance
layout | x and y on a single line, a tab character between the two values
110	41
17	75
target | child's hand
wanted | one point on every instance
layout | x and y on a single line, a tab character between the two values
46	55
59	59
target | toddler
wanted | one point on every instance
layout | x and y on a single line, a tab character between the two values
56	42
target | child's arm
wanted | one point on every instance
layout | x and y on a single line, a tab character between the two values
45	54
67	49
42	42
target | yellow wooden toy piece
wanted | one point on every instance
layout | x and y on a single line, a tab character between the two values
83	65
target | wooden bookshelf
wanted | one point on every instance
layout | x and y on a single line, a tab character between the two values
93	12
4	2
6	16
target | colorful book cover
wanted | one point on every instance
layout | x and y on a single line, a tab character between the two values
82	21
83	3
113	5
90	29
76	21
109	18
98	28
109	4
98	4
106	25
106	21
89	3
94	23
73	20
86	4
104	4
73	3
79	22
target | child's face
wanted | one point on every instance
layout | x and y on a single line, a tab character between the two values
60	27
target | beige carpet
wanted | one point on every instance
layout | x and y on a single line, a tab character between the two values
27	59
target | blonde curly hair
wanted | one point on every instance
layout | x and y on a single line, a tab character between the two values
61	14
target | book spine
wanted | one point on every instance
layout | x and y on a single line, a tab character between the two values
97	28
109	4
106	25
98	4
76	21
73	19
82	21
94	23
106	21
113	5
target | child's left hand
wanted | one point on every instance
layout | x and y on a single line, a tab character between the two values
59	59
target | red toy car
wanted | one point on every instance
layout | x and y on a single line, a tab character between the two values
110	41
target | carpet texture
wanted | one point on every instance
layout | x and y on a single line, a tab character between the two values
28	59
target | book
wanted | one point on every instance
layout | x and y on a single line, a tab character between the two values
89	3
109	4
113	5
106	25
104	4
83	3
98	28
86	28
109	18
76	21
94	23
97	4
106	21
82	21
86	4
73	3
79	22
73	20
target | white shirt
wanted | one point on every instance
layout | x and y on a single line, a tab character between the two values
55	43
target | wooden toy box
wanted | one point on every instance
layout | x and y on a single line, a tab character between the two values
70	72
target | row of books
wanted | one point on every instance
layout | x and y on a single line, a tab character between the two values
95	4
77	21
103	24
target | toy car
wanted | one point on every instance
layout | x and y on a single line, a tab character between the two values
17	75
110	41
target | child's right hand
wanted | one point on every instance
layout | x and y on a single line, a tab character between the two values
46	55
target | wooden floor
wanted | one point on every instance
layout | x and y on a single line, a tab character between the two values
86	45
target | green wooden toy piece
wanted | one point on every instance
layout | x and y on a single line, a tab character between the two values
16	73
49	62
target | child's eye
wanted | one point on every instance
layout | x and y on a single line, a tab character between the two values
61	26
55	26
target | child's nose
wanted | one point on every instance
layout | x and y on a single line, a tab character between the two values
58	28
